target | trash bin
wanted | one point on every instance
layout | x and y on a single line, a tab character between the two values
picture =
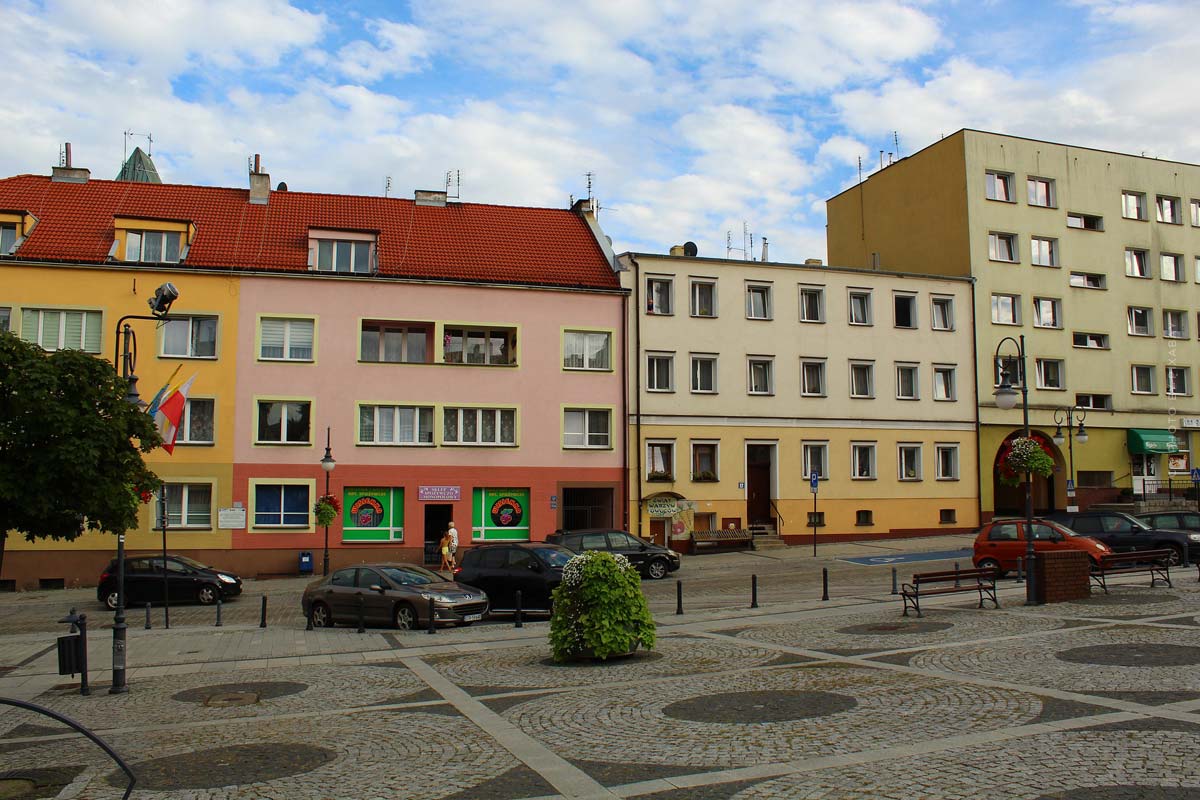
306	562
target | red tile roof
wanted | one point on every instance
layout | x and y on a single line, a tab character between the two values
460	241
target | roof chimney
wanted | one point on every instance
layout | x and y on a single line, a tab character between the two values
430	197
764	258
66	173
813	262
260	184
676	250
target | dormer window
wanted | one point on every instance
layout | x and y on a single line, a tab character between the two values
8	237
14	227
341	251
149	241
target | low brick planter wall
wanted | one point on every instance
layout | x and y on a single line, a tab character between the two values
1064	575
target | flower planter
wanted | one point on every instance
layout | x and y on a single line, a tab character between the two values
599	610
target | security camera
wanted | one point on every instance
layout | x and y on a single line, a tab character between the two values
164	296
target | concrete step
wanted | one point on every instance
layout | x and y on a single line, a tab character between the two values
768	542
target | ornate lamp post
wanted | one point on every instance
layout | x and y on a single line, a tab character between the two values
327	464
1006	399
1068	415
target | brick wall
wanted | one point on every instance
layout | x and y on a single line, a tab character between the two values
1065	575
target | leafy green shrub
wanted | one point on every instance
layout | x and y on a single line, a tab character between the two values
599	609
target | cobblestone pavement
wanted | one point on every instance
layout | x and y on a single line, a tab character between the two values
1097	699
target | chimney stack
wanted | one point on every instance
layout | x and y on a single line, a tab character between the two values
68	174
764	258
260	184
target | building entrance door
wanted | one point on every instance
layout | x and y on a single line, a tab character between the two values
437	519
758	483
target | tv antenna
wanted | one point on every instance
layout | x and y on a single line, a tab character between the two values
149	137
387	185
747	248
454	176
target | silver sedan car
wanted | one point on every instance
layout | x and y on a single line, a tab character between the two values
391	594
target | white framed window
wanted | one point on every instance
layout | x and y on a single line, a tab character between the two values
1050	373
862	461
942	313
1174	324
1141	379
1010	369
284	422
659	295
862	379
1040	192
587	350
1178	381
1043	251
947	462
1195	207
812	304
495	346
190	337
760	371
908	459
281	505
1002	247
62	329
703	298
1171	267
5	318
395	425
1136	264
1133	205
1047	312
705	461
1090	341
1088	280
812	377
197	424
153	247
704	374
587	428
1141	321
189	505
1006	309
944	379
1101	402
908	382
758	301
904	308
660	460
660	372
1085	222
860	307
395	342
286	339
338	255
999	186
816	459
8	237
1167	209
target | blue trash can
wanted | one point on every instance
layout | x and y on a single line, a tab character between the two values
306	563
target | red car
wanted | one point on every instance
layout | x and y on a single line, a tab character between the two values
1001	542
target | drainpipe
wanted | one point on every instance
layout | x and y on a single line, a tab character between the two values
625	410
637	383
978	432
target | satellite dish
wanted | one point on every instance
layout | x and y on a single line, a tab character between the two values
282	187
689	249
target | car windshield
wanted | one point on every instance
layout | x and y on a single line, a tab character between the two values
410	576
554	556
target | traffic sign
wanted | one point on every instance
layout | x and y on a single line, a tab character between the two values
1196	473
812	481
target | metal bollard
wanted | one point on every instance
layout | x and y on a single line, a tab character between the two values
262	622
218	611
309	626
678	597
754	591
956	583
147	616
1020	570
362	615
894	581
517	621
824	583
432	618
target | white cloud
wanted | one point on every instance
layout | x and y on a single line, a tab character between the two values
401	49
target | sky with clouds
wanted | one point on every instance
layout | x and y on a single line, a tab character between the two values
699	119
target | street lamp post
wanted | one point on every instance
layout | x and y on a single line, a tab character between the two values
1068	415
327	464
1006	398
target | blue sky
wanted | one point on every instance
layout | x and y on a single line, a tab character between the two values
698	118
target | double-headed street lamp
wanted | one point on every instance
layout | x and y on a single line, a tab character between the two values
327	464
1006	398
1068	415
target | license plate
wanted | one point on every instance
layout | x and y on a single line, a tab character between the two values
472	617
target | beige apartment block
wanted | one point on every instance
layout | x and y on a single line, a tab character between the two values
748	376
1093	258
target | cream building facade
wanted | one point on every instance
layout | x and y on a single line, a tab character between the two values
1092	257
746	377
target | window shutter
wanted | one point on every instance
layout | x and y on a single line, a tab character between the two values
92	335
29	325
301	338
272	338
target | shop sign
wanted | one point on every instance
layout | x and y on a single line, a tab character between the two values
231	519
372	514
435	493
1189	422
500	514
662	506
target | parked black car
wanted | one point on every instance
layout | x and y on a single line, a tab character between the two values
534	568
1124	532
1177	520
188	581
391	594
652	560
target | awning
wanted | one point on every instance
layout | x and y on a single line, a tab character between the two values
1151	441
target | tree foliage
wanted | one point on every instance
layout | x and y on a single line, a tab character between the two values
71	445
599	609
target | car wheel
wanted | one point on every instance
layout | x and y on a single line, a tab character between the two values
656	569
992	564
110	600
207	594
1176	555
405	617
321	618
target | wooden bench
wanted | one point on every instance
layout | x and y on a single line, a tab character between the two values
1155	562
723	538
982	581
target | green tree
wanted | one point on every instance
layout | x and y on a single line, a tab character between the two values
70	445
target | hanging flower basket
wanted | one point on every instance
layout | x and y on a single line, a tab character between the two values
327	509
1024	454
599	609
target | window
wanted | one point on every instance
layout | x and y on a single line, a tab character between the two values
758	301
1087	280
395	425
1175	324
860	308
1133	205
1177	381
760	381
484	426
907	381
704	374
862	460
947	462
5	318
999	186
660	461
1094	478
1002	247
908	459
1050	373
1195	216
1092	341
704	298
812	378
196	426
1043	252
1008	369
1171	267
153	246
1166	209
658	295
1141	379
660	372
816	459
585	427
1140	321
905	308
189	505
54	329
862	379
491	346
863	517
816	519
395	342
8	237
1047	312
1086	222
943	314
1095	401
286	339
812	304
336	255
283	422
1006	309
190	337
704	461
943	383
947	515
1040	192
1136	265
281	505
